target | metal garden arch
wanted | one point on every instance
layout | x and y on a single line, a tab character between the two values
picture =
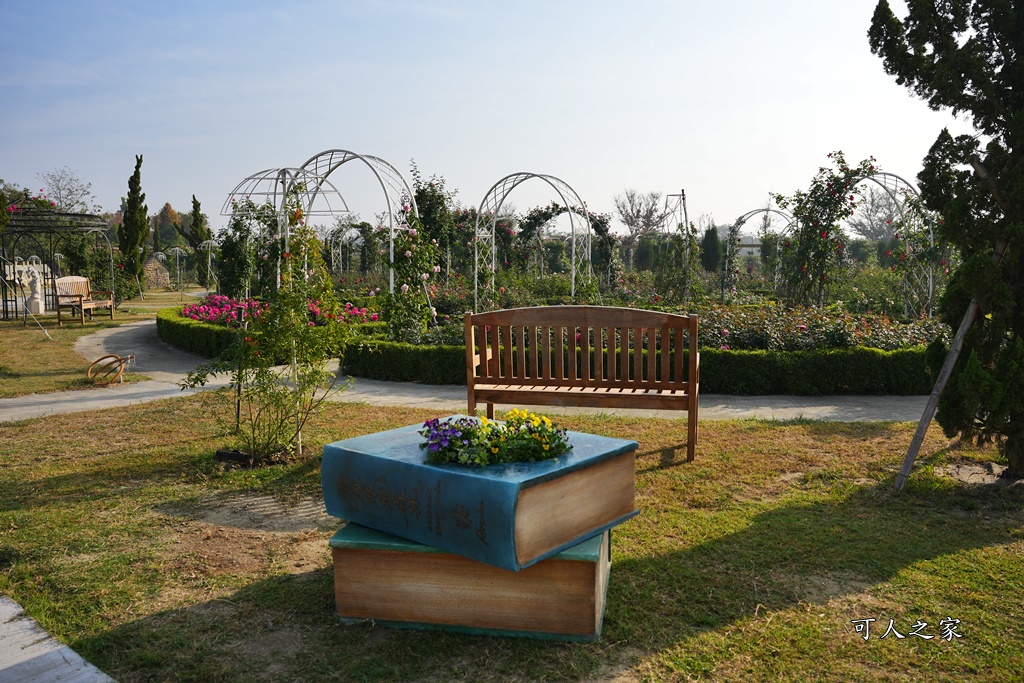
311	182
485	249
397	192
732	248
920	284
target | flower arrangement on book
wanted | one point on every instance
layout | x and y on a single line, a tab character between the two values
522	437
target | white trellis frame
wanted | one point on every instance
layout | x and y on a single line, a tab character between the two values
318	196
675	209
485	248
732	247
397	192
897	188
272	186
341	237
919	282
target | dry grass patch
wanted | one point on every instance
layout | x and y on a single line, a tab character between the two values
128	541
33	363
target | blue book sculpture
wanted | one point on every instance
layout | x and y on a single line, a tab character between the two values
510	516
396	582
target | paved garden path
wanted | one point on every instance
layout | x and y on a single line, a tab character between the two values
166	366
29	655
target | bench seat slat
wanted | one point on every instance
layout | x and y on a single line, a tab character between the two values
581	396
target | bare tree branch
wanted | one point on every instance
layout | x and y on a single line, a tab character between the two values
641	213
68	192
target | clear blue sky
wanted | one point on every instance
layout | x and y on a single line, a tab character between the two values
728	100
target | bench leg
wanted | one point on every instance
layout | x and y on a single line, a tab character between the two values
490	411
691	429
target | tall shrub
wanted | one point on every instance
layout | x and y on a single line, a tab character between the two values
298	324
812	255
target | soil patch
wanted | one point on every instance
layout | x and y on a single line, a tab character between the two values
978	474
248	535
260	513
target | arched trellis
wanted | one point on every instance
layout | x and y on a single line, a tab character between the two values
919	280
311	182
272	186
919	283
485	248
341	241
896	187
397	192
732	248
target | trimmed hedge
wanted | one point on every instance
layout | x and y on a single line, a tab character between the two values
815	373
402	362
751	373
855	370
194	336
210	340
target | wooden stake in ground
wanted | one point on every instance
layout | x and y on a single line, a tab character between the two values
954	350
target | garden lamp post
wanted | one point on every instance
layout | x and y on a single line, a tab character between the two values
178	251
208	246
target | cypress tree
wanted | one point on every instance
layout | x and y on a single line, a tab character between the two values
134	229
711	250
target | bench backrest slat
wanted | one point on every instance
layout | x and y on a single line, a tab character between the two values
583	346
70	288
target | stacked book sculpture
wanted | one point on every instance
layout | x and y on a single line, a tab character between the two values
519	548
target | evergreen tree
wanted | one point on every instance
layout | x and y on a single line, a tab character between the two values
198	231
711	250
132	234
199	228
964	56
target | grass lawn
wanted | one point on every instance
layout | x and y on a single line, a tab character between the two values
124	538
39	357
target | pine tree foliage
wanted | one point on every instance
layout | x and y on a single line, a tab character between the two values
132	233
197	230
711	250
966	56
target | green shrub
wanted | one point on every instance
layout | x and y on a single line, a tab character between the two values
194	336
747	373
857	370
402	362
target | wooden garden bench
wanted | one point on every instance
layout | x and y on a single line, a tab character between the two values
74	292
589	356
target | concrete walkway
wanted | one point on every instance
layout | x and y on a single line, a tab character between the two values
166	366
28	654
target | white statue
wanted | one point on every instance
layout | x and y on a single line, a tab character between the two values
34	302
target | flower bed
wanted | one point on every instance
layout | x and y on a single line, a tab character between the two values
523	437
